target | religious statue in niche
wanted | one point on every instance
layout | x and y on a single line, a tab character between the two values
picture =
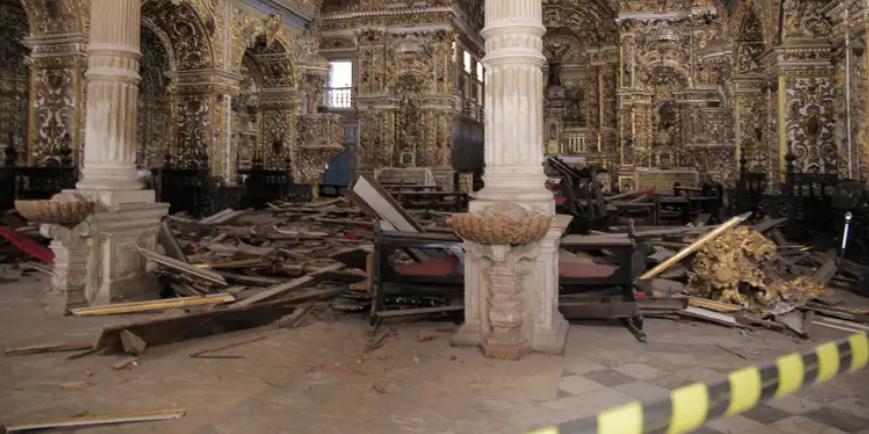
556	47
574	114
666	122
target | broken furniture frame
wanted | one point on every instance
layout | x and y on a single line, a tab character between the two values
603	297
388	281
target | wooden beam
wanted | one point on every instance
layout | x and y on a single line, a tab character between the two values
47	348
281	288
163	331
181	266
91	420
694	247
150	306
419	311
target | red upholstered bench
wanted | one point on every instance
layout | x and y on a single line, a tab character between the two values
440	266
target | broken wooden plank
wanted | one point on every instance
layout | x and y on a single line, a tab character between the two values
324	203
224	216
92	420
372	196
768	224
163	331
420	311
203	354
694	247
48	348
708	315
250	280
294	319
712	305
166	239
150	306
826	272
279	289
181	266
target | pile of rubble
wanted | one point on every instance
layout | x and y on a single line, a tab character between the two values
750	275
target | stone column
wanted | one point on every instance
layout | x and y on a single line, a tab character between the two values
112	91
514	174
126	216
514	104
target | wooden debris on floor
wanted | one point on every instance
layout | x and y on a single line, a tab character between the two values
150	306
94	420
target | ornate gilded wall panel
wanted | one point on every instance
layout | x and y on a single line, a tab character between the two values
189	34
752	139
57	107
810	121
57	17
193	129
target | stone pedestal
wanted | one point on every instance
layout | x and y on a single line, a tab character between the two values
71	252
96	262
535	304
514	174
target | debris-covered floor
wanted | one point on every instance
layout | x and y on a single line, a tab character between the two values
324	376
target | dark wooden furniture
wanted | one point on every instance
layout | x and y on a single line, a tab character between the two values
749	189
433	200
435	279
603	287
810	200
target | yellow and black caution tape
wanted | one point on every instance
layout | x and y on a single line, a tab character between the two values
690	406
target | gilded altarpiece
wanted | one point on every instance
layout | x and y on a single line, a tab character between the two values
674	108
405	102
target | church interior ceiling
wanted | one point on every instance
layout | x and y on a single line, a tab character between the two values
667	84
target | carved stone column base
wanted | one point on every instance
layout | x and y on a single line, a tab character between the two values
71	249
552	340
122	272
505	350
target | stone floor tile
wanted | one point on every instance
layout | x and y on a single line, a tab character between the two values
855	406
766	414
578	385
804	425
794	404
603	399
643	391
840	419
706	430
670	382
581	366
742	425
641	371
609	377
590	403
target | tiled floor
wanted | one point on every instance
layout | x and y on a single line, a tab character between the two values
322	378
584	383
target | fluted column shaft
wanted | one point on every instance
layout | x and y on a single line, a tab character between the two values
514	101
112	91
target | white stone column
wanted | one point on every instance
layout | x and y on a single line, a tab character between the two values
514	104
514	174
112	91
126	215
